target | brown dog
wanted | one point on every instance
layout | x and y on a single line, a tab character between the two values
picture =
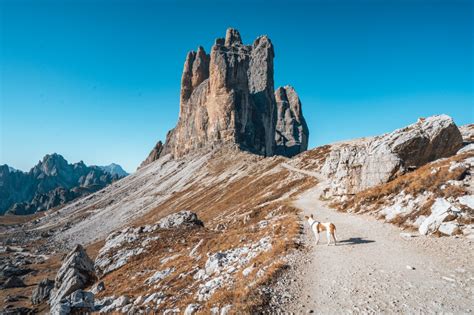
318	227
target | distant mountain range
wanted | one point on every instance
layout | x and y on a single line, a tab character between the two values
51	183
114	169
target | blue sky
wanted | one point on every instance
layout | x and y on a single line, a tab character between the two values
99	80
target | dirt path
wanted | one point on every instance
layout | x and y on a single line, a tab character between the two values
369	271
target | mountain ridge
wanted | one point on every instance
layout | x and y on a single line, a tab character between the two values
48	184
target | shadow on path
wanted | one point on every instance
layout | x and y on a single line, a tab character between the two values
354	241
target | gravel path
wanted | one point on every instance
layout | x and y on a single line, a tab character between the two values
373	269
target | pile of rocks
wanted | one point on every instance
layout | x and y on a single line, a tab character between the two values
76	273
121	246
220	266
447	215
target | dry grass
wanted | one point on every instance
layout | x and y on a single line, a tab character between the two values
413	183
238	205
314	158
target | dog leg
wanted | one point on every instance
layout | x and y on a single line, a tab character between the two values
316	234
328	235
334	237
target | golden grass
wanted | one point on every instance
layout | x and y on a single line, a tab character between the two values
414	183
238	205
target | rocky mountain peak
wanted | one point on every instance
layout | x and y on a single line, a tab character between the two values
227	96
51	164
50	183
232	37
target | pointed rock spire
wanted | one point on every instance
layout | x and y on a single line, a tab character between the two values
232	37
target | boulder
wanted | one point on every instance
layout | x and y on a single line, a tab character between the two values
441	211
14	282
467	201
191	309
98	287
360	164
76	273
117	303
214	262
467	132
449	228
17	311
180	219
159	275
81	300
11	270
42	291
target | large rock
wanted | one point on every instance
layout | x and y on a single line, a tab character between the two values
42	291
180	219
76	273
441	211
291	130
14	282
364	163
78	302
227	96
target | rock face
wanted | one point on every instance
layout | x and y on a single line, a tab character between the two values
42	291
52	182
154	154
292	133
76	272
360	164
227	96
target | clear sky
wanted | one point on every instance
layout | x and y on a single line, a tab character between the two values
99	81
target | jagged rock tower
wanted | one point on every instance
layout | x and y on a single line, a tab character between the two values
228	96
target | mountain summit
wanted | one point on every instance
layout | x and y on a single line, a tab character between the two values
50	183
228	96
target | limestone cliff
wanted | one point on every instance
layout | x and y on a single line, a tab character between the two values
291	130
227	96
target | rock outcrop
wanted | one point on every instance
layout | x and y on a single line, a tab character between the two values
180	219
42	291
52	182
123	245
76	273
360	164
154	154
292	133
228	96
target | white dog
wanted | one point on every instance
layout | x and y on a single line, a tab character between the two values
318	227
